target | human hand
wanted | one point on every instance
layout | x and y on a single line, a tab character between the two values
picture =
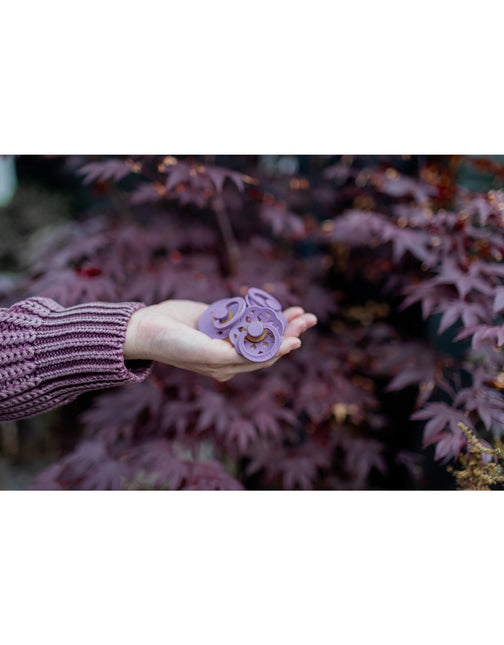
168	333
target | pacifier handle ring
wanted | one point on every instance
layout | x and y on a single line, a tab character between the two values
233	316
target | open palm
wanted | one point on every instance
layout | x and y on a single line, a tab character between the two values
167	332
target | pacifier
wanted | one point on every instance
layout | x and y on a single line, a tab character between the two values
262	298
221	315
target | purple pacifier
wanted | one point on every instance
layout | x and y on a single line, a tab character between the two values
262	298
258	335
266	315
217	320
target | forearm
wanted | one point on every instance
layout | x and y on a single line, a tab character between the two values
49	355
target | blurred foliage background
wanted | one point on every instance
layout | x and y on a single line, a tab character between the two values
42	194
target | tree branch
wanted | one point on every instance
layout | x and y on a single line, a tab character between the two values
230	243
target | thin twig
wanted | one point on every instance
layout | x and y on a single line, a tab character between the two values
230	243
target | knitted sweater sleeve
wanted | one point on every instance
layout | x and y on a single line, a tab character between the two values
50	354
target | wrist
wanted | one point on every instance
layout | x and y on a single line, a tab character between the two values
133	348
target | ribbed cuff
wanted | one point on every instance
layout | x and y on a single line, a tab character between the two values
72	350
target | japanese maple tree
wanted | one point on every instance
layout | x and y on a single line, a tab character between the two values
369	244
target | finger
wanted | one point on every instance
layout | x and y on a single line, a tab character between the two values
293	312
299	325
289	344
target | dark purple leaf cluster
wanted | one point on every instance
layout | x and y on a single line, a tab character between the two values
447	259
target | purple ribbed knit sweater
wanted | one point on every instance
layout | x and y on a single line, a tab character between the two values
49	355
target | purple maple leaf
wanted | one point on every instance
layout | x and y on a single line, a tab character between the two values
403	240
399	186
177	174
69	288
114	169
498	303
362	455
453	310
408	363
155	457
439	415
487	402
115	414
427	294
242	432
339	172
294	467
219	175
47	479
210	475
282	222
463	281
214	410
482	333
145	193
89	467
479	205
